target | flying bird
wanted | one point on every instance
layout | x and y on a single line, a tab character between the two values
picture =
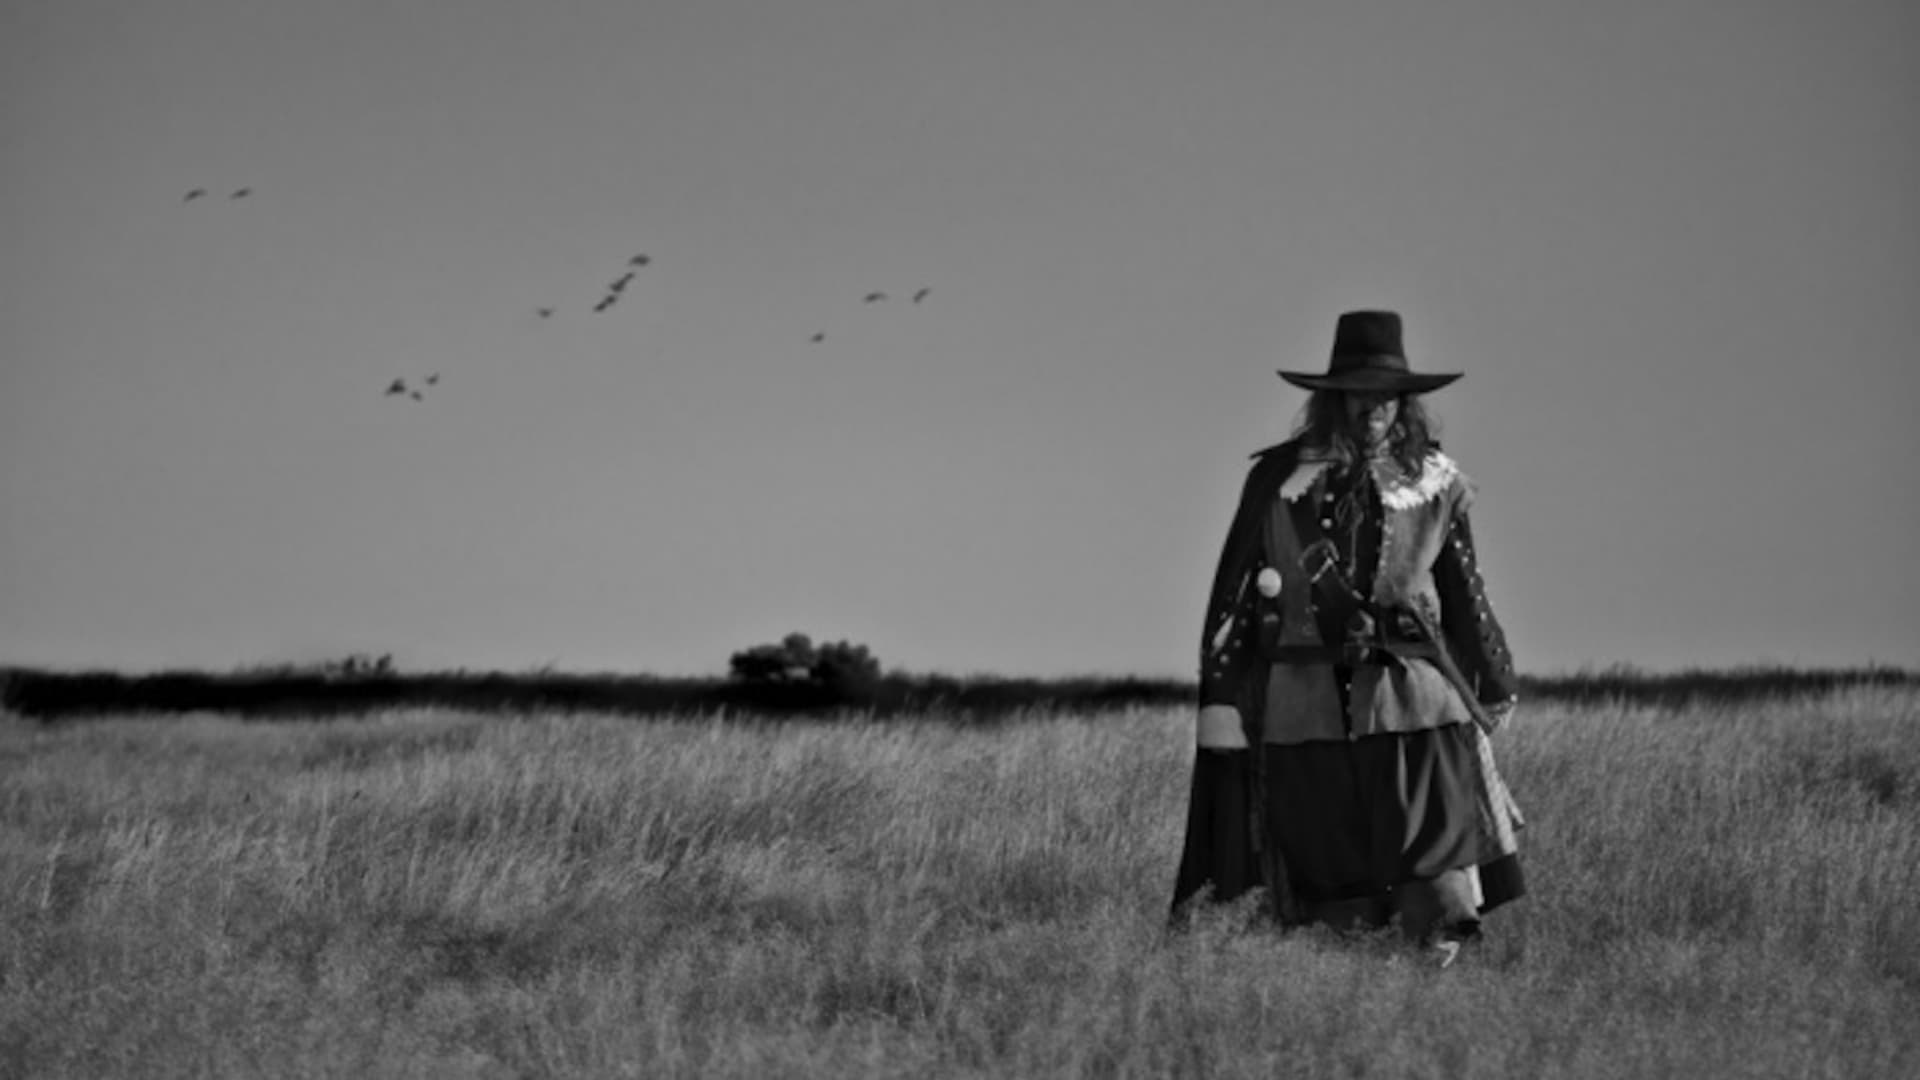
545	312
921	295
399	387
874	298
818	338
433	379
194	194
241	193
621	282
604	304
639	260
415	395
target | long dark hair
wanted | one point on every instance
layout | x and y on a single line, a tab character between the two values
1323	426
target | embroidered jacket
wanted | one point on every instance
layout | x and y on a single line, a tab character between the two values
1263	623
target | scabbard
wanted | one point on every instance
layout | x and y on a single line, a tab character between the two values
1443	659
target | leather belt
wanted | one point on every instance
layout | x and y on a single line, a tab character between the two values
1371	652
1366	641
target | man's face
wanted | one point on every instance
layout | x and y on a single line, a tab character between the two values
1370	416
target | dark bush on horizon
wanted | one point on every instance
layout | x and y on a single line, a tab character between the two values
796	674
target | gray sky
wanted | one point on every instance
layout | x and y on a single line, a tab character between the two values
1673	246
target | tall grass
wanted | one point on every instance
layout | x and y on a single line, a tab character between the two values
1717	891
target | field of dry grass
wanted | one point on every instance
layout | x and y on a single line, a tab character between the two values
1717	891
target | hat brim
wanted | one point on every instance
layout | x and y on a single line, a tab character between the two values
1371	381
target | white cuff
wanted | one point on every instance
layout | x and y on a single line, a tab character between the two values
1220	728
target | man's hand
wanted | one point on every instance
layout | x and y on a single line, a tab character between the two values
1499	712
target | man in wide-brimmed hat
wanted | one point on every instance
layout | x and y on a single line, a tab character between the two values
1352	670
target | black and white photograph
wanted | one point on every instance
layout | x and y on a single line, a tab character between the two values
959	538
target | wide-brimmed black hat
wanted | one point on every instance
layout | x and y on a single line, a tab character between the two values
1368	357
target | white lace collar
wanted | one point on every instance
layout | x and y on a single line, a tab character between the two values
1397	492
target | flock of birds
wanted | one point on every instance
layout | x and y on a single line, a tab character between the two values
399	387
619	285
875	298
201	193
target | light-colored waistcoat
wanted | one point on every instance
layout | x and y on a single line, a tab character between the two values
1302	702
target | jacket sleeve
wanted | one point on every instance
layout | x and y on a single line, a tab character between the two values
1228	642
1473	634
1229	652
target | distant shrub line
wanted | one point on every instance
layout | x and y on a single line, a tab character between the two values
52	695
841	685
